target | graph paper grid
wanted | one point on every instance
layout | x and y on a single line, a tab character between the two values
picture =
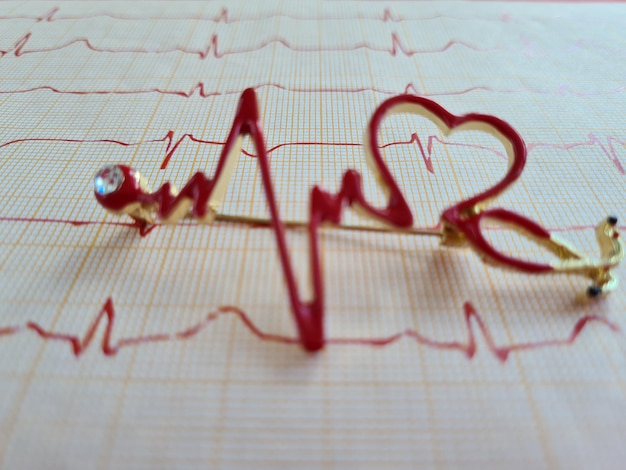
117	350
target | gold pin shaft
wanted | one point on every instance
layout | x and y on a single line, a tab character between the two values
301	224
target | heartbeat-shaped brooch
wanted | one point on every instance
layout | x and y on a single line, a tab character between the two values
122	190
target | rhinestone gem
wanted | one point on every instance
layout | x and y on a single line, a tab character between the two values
108	179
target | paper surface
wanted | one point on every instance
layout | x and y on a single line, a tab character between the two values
113	353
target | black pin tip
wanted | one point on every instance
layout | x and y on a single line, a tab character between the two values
594	291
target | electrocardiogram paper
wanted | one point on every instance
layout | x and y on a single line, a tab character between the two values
175	350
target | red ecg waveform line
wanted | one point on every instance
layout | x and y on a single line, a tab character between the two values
468	348
225	17
212	48
173	144
608	149
199	89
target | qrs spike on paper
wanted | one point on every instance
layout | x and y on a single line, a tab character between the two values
121	190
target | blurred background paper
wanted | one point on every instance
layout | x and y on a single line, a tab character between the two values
113	353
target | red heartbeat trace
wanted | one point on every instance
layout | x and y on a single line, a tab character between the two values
426	153
608	150
199	89
19	48
224	17
468	347
173	145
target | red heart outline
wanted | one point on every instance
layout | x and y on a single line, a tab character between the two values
462	219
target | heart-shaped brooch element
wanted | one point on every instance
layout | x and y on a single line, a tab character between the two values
121	190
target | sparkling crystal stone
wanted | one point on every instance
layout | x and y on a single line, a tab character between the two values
108	179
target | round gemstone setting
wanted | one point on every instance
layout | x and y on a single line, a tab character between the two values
108	179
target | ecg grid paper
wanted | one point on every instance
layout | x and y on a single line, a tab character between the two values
165	351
